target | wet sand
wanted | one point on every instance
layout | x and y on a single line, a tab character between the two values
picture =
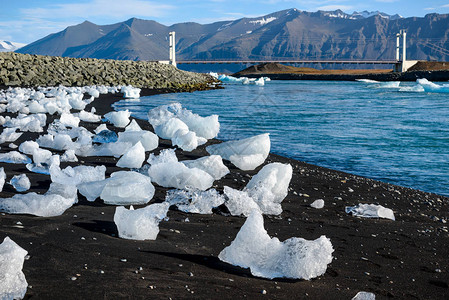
403	259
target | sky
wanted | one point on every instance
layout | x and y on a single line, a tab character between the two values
25	21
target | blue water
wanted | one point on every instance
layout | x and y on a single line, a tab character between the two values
361	128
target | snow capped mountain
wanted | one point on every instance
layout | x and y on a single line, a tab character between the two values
6	46
360	15
291	33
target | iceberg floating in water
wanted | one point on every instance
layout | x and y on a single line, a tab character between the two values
431	87
370	211
54	202
270	258
13	284
140	224
246	154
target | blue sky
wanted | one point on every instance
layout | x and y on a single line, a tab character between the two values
25	21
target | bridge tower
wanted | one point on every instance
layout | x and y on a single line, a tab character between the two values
404	64
172	49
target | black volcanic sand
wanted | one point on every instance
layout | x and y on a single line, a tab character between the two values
403	259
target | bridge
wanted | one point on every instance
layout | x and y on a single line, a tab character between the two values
398	65
288	61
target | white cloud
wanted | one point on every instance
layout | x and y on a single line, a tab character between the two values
445	5
99	8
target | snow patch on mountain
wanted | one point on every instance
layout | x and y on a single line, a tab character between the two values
263	21
6	46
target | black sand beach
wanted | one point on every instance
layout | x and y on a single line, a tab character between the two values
78	255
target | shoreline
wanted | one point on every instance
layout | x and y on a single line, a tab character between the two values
389	258
393	76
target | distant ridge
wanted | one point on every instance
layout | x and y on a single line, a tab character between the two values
6	46
284	34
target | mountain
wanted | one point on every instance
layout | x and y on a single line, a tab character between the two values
6	46
289	34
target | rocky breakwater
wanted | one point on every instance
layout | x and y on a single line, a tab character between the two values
37	70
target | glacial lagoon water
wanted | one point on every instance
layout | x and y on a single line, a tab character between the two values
396	134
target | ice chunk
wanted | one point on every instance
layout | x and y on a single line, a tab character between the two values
168	129
88	117
76	100
195	201
260	82
41	156
367	80
13	284
364	296
269	258
133	126
105	136
69	120
100	128
205	127
246	154
318	204
116	149
269	187
133	158
28	147
431	87
44	167
21	183
247	162
212	164
177	175
35	107
14	157
140	224
92	189
370	211
53	203
33	123
2	178
149	140
125	188
69	156
118	118
389	84
187	140
9	135
239	202
77	175
165	156
130	92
